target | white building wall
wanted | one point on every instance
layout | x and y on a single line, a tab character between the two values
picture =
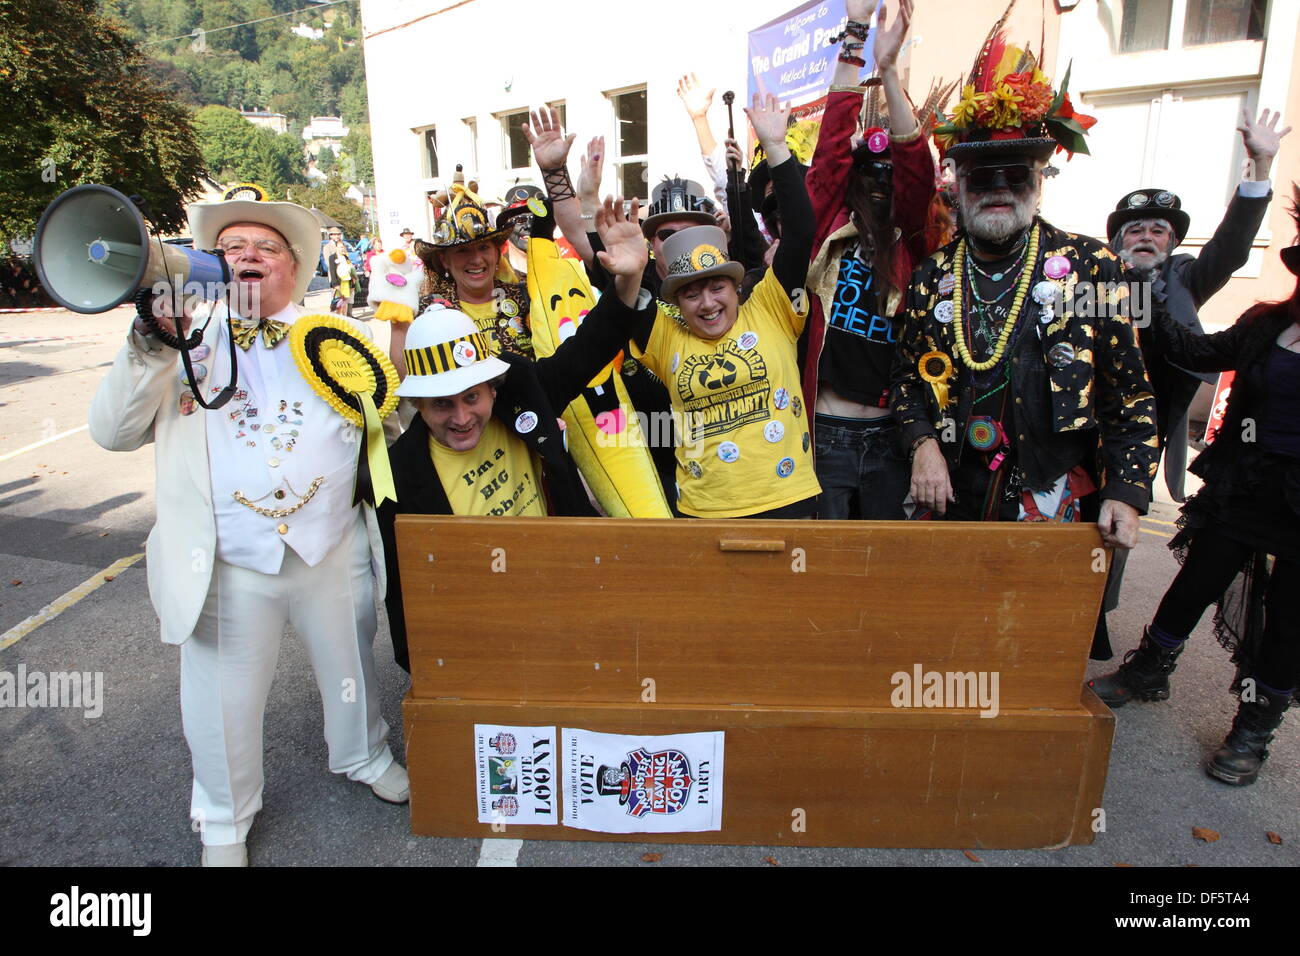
485	57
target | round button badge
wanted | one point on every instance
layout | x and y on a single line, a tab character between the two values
526	422
781	399
943	311
785	468
729	452
774	432
747	341
464	353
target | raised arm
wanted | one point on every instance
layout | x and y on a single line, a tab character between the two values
551	151
790	264
1229	247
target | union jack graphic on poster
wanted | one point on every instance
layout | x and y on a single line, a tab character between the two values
625	784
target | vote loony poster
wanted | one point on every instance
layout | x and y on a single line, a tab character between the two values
515	774
618	783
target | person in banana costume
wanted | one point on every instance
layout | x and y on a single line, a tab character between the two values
603	431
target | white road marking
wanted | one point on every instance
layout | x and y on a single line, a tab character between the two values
44	441
61	604
500	853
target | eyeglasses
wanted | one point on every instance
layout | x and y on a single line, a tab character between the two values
336	235
983	179
234	245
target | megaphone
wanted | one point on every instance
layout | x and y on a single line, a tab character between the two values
93	252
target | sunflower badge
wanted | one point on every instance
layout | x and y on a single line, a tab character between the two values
359	382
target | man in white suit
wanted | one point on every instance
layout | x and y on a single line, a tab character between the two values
256	526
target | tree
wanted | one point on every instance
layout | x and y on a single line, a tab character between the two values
357	148
325	160
234	148
329	198
84	108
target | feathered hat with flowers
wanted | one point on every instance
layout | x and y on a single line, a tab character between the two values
1008	106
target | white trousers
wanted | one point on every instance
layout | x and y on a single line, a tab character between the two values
228	663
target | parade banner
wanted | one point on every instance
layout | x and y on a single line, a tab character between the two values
793	58
618	783
515	774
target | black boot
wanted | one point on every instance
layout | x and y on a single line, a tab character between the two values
1144	675
1238	761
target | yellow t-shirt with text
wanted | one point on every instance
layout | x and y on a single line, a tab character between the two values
496	477
738	403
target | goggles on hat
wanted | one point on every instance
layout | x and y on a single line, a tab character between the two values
983	179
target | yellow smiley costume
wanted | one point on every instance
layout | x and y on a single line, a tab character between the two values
604	435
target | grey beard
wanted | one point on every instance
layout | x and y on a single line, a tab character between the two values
1146	272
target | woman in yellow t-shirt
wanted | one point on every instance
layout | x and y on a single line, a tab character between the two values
732	370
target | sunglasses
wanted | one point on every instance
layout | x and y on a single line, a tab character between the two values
663	235
983	179
876	170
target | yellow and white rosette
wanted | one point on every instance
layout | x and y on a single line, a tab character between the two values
359	382
936	368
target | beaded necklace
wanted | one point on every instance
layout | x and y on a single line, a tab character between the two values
1022	289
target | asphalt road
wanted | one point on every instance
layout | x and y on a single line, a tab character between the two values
114	789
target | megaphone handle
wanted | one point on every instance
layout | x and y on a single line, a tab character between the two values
228	392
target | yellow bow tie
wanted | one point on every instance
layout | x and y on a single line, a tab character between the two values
273	333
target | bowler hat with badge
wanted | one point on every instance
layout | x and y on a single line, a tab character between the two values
694	253
1151	203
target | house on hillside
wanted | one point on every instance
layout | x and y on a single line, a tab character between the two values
324	131
275	122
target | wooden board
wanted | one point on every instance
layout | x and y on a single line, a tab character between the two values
726	613
855	777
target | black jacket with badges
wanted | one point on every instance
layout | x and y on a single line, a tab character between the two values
1092	399
544	387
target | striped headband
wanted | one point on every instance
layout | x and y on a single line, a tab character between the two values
449	356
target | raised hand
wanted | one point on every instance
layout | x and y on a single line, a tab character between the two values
770	119
550	145
735	157
889	41
626	253
694	97
589	178
1261	137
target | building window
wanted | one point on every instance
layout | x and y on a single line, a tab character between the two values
1143	25
430	137
558	106
631	142
1222	21
514	142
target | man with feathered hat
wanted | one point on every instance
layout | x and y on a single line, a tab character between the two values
1010	383
257	526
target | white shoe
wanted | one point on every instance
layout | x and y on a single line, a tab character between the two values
226	854
394	786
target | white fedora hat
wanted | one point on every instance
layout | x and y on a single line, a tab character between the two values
290	220
446	354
